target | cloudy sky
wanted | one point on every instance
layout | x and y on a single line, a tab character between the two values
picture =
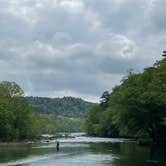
78	47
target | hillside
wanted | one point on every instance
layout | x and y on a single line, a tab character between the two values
66	106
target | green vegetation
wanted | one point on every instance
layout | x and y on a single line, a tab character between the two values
66	106
99	121
51	124
65	114
17	120
136	108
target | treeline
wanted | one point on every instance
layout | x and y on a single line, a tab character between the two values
66	106
52	124
135	108
17	120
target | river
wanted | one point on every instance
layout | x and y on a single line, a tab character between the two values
82	151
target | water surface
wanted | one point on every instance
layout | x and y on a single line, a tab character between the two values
82	151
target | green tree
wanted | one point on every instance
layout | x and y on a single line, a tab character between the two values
99	122
12	88
105	99
139	103
17	120
137	107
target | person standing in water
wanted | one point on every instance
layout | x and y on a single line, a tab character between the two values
57	146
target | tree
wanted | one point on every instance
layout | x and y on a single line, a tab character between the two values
137	107
17	120
12	89
99	122
105	99
139	103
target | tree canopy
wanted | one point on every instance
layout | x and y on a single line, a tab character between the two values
17	120
66	106
12	89
137	107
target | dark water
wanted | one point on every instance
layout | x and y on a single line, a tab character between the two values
83	151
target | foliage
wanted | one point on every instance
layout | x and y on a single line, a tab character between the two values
66	106
99	121
17	120
12	89
52	124
137	107
139	103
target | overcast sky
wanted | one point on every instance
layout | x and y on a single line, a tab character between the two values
78	48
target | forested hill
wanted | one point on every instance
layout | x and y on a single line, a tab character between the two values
66	106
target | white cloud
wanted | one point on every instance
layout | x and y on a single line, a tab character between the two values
77	47
116	46
72	6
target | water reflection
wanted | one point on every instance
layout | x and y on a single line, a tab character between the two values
82	153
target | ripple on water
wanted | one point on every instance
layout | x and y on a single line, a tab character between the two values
61	159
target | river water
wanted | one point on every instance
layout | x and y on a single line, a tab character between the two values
82	151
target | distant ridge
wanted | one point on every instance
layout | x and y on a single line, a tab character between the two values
66	106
